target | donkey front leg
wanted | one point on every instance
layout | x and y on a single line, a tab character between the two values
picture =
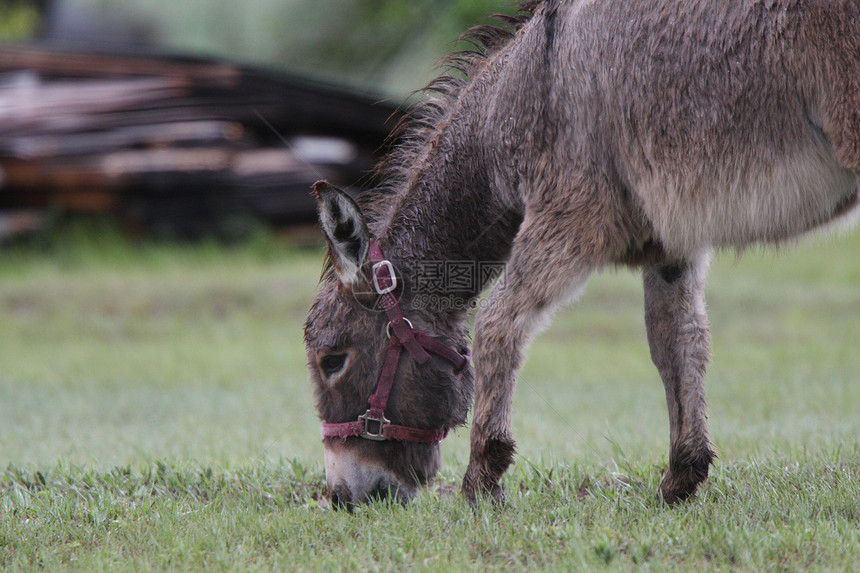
680	347
537	280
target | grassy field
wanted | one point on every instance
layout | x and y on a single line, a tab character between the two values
155	414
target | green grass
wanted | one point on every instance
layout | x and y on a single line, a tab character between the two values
155	414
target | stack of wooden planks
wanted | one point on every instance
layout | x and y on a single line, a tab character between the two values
180	146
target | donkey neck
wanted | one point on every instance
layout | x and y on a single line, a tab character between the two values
451	212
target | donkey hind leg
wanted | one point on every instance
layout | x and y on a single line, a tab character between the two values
537	281
679	339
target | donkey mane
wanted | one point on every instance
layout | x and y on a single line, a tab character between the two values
415	129
419	124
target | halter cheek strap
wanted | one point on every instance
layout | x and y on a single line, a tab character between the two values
373	425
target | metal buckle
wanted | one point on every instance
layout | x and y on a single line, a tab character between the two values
369	420
387	264
388	328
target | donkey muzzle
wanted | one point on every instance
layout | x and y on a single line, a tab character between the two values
352	479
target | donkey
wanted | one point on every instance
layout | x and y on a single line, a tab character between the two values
587	133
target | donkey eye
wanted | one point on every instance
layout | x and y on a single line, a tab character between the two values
331	364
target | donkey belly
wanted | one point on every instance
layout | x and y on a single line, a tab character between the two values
749	202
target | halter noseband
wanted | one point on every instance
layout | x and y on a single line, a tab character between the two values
373	425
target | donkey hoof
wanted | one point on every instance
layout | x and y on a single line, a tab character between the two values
488	462
687	469
672	492
475	489
495	494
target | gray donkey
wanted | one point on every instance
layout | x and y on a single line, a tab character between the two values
586	133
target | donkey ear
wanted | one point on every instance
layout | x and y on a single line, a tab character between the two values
345	228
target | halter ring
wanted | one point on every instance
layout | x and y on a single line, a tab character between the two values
388	328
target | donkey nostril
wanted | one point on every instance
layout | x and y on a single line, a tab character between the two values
341	498
382	493
388	492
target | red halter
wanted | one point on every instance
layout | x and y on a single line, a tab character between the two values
373	425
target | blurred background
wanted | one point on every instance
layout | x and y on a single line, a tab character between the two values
194	118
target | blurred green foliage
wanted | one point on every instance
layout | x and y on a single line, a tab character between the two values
18	20
384	46
377	38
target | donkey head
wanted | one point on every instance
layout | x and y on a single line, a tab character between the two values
348	338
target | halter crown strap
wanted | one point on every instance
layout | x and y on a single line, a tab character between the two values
373	424
385	283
